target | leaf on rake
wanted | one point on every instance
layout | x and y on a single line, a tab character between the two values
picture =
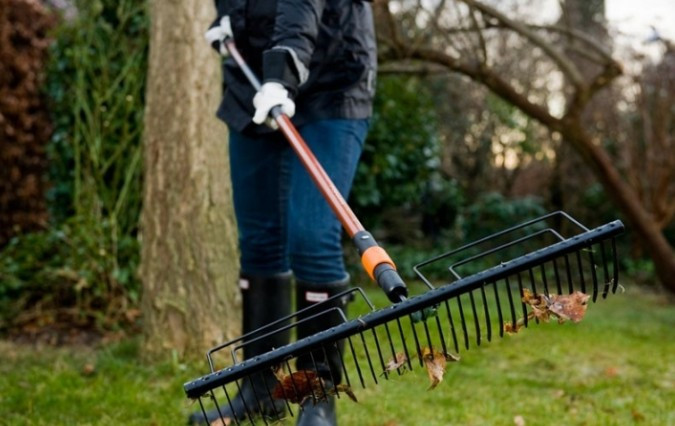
569	307
395	363
297	386
435	363
224	421
346	389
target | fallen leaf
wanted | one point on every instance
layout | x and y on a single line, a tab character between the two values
297	386
435	363
569	307
225	421
519	420
346	389
396	363
88	369
611	372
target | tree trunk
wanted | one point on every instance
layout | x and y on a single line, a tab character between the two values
644	225
189	262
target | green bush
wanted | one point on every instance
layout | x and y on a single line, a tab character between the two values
86	262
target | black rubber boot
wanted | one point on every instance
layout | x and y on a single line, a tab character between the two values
264	300
328	364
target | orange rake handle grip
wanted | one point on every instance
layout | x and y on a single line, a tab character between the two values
374	258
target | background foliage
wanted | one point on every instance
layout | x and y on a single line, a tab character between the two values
84	265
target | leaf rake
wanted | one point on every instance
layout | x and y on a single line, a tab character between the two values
484	293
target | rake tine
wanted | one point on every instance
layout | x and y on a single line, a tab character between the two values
593	273
499	310
543	277
486	311
243	400
568	269
452	326
370	361
229	403
342	363
255	394
391	346
475	318
534	290
330	373
405	345
356	362
520	293
511	305
269	393
295	388
426	332
215	401
557	276
461	316
316	368
417	341
581	271
379	353
440	335
616	266
288	404
605	269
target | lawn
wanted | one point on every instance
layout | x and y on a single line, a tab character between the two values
614	368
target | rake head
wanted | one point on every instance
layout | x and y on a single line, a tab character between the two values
490	287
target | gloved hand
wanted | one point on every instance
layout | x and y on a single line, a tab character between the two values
219	31
270	95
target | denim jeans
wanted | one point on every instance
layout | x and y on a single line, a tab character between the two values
284	222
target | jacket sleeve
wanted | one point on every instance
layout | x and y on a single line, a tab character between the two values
295	33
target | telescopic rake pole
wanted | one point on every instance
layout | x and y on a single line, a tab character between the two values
375	260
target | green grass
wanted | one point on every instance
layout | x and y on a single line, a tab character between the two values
614	368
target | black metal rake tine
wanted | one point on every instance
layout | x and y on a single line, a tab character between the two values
283	391
616	266
520	297
452	326
257	399
370	361
499	310
461	317
269	393
514	320
568	270
593	273
486	311
295	388
342	363
243	400
379	353
475	318
330	373
441	336
215	401
426	332
581	271
391	346
417	340
356	362
533	284
544	279
316	368
557	276
405	345
229	403
605	269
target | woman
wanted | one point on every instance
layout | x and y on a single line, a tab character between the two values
317	59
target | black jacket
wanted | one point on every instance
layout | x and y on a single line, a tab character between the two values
323	51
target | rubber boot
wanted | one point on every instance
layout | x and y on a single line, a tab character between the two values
327	363
264	300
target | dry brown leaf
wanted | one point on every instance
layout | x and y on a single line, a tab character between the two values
296	386
346	389
569	307
225	421
435	363
396	363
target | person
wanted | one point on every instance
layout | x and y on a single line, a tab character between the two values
317	60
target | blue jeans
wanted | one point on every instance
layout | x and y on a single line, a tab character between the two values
284	222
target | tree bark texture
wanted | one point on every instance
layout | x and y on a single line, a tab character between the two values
189	260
